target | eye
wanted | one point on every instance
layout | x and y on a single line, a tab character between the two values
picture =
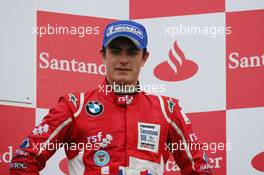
132	52
115	51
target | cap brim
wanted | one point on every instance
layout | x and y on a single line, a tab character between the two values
137	44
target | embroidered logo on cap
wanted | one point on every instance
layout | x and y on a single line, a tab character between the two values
124	28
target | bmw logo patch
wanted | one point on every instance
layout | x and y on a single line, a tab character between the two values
101	158
94	108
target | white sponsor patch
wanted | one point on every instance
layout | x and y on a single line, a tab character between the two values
148	137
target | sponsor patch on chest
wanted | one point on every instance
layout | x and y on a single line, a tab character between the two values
148	136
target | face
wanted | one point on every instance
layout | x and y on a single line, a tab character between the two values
123	61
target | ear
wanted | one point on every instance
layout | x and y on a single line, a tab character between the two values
103	56
144	58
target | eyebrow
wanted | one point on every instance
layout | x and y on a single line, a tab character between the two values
116	47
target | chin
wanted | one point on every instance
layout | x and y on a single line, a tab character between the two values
122	80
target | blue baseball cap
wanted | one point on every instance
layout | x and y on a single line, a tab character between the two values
130	29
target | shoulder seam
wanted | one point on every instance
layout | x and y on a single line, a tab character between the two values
80	106
178	130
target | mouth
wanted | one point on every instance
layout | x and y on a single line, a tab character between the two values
123	69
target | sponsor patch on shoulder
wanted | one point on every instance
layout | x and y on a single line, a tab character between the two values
148	136
73	99
171	105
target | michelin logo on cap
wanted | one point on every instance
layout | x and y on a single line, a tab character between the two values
130	29
124	28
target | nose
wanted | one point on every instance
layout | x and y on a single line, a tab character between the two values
123	59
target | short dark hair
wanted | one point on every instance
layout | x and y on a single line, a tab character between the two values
104	50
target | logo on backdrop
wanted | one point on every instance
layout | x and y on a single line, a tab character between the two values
257	162
64	166
6	157
177	67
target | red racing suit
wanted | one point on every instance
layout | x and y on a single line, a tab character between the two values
108	133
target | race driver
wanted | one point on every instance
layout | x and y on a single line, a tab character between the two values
122	130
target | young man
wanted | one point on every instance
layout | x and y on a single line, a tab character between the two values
121	130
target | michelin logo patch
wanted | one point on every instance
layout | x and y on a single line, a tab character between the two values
148	137
124	28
